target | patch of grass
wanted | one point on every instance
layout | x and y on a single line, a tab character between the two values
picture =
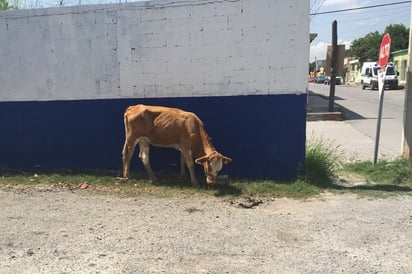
322	163
268	188
106	183
397	172
322	168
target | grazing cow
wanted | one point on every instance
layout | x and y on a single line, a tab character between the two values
170	127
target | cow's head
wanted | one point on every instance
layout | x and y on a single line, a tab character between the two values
212	164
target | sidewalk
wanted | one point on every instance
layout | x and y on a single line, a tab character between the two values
318	109
330	128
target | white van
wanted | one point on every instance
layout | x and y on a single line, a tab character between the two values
369	74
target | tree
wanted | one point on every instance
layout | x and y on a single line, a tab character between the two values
4	5
367	47
8	5
399	36
312	67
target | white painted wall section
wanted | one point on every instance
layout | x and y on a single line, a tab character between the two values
155	49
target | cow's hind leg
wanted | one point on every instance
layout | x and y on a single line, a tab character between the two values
127	153
182	166
144	147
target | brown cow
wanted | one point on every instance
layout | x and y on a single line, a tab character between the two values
170	127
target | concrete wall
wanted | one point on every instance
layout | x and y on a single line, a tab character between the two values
67	75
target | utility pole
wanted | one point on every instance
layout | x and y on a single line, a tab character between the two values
333	65
407	109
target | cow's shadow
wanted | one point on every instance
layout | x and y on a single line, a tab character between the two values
223	189
220	188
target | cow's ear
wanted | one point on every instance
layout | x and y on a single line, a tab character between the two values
201	160
226	160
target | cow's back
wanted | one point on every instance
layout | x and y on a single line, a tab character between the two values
163	126
138	120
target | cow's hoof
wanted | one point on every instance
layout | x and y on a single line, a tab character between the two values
154	181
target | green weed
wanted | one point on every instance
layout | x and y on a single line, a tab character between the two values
398	171
322	163
322	168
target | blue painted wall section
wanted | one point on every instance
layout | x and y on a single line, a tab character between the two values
263	134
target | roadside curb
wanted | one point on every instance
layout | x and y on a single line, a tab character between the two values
324	116
317	109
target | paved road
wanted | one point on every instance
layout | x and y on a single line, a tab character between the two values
361	111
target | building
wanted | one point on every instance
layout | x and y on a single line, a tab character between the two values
400	61
352	68
72	71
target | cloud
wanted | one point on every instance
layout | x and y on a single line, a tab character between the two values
368	21
344	3
318	51
346	43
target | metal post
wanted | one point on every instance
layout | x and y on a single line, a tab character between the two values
378	123
333	65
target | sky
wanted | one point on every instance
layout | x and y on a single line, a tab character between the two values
352	24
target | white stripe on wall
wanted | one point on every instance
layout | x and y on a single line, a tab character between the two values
155	49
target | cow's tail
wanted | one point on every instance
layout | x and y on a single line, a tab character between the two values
126	150
126	123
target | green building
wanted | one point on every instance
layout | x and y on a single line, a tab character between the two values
400	61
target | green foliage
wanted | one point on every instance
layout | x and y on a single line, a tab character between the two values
10	4
107	183
297	189
367	48
322	162
312	67
4	5
323	170
396	172
399	36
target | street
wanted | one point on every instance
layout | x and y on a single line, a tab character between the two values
360	108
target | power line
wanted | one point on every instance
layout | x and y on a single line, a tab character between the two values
316	7
384	15
360	8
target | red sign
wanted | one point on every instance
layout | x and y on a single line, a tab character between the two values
385	50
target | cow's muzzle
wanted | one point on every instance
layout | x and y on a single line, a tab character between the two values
210	179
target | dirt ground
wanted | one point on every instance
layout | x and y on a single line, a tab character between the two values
79	231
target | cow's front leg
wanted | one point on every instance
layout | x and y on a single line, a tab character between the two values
144	157
190	165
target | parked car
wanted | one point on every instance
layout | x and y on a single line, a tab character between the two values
339	80
327	80
319	79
